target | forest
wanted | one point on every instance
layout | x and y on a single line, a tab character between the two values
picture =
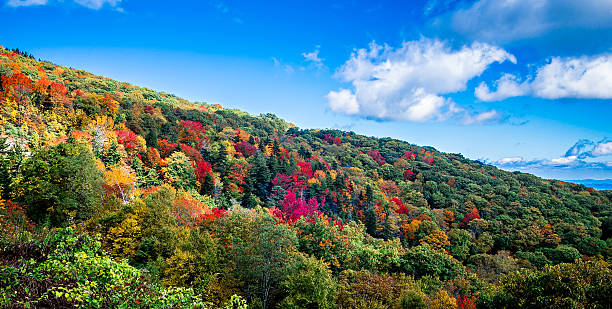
118	196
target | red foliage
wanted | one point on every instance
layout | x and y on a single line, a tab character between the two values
408	175
428	160
294	208
202	168
213	215
152	157
191	152
409	155
470	216
327	138
376	156
401	208
149	109
165	148
191	132
187	211
13	218
305	170
245	148
283	181
465	303
127	138
16	86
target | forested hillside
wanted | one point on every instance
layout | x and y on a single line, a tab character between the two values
114	195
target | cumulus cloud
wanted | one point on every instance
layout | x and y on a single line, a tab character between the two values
92	4
313	57
17	3
484	117
407	83
518	163
507	20
602	149
564	160
578	157
581	147
507	86
585	148
581	77
510	160
97	4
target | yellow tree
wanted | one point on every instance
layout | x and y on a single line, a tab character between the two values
443	301
120	181
437	239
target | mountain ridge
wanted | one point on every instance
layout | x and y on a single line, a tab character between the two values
188	191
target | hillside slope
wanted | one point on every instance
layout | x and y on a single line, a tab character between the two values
189	191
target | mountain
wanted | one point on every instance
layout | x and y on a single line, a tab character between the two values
599	184
117	195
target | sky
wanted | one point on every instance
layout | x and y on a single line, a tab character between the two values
522	84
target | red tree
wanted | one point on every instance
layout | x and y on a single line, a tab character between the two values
408	174
245	148
294	208
470	216
165	148
128	139
376	156
191	152
202	168
191	132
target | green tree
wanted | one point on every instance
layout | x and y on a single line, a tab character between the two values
180	172
59	185
584	284
423	260
309	284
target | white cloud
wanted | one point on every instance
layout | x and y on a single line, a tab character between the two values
16	3
508	20
585	148
92	4
507	86
406	83
579	157
343	101
582	77
97	4
484	117
602	149
581	148
313	57
510	160
564	160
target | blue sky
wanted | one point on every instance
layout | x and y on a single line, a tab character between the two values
523	84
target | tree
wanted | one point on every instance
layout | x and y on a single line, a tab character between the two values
60	184
309	284
245	148
437	239
258	180
584	284
423	260
120	181
180	171
262	251
443	301
205	177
